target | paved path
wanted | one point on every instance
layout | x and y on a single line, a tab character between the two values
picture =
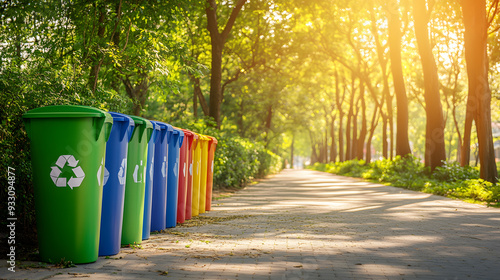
303	224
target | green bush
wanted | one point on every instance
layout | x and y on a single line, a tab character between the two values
237	160
452	171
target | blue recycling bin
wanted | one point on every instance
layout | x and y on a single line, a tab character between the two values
159	199
174	144
148	191
114	184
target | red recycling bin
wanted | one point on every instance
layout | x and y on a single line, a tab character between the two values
212	145
189	180
183	175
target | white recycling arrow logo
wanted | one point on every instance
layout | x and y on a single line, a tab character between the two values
99	173
164	167
184	170
138	177
122	172
191	169
212	168
151	169
176	168
74	181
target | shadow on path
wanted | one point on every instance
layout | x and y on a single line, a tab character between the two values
303	224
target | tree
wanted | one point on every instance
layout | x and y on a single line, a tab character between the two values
435	153
218	40
394	29
479	95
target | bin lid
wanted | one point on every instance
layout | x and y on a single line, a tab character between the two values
143	125
127	126
141	121
165	130
195	140
214	140
181	137
156	132
203	137
67	111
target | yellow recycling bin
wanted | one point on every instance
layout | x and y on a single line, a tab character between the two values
195	204
203	140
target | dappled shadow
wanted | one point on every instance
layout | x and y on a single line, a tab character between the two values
314	225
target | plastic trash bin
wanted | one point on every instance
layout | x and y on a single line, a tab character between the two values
195	209
203	172
183	175
148	189
159	200
133	209
174	143
114	184
68	146
212	145
189	187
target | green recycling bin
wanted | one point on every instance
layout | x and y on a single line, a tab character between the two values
133	205
68	145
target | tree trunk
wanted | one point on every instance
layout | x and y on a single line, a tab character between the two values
479	96
373	126
333	149
465	151
385	146
218	40
138	92
97	57
435	152
362	133
339	101
402	141
350	115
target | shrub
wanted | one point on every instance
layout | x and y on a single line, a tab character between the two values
450	180
452	171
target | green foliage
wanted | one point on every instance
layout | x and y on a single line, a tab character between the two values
452	171
450	180
237	160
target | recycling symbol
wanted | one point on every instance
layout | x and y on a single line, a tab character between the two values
138	177
122	172
191	169
176	168
151	169
164	167
99	174
184	170
78	174
212	168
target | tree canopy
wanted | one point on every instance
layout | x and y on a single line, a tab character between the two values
340	79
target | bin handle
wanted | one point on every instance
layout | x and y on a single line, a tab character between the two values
103	123
149	134
181	139
163	134
127	130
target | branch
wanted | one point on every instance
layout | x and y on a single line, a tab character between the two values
199	93
233	79
232	18
212	25
492	12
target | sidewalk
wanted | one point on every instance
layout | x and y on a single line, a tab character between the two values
304	224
